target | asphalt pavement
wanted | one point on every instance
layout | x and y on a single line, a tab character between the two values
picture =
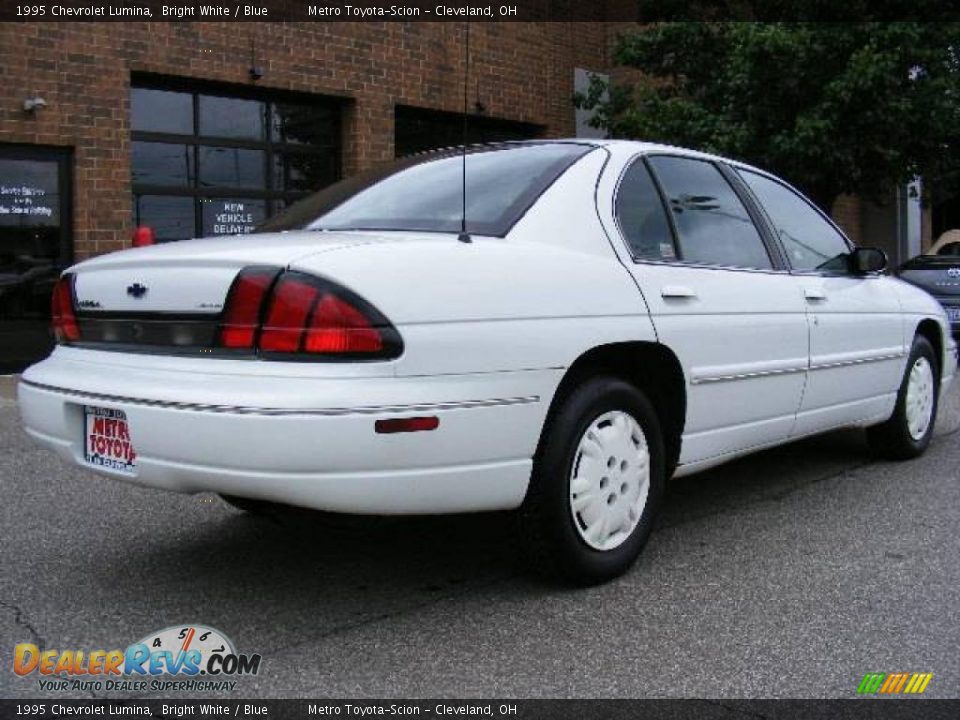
791	573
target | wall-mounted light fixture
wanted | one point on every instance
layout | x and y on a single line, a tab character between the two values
32	104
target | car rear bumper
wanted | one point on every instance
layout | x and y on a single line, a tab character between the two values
307	441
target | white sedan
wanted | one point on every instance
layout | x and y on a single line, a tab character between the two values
595	318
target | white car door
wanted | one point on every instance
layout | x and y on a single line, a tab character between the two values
856	325
720	299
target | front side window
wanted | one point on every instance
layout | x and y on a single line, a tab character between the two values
641	215
426	192
810	242
713	226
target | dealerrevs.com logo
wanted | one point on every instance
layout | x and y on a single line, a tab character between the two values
180	657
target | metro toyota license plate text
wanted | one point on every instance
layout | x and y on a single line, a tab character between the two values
106	439
953	313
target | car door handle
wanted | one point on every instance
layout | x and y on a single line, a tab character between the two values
814	295
677	291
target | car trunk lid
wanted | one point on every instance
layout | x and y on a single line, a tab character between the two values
190	277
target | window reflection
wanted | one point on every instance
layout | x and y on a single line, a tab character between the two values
642	217
162	164
33	252
304	172
713	226
231	117
171	218
197	148
231	167
161	111
809	240
305	124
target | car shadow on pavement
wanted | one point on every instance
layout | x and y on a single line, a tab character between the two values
299	557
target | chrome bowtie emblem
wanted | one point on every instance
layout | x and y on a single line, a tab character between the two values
954	272
137	290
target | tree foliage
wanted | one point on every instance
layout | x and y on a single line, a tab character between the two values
834	107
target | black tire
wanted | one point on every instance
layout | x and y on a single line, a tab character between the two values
250	505
892	439
551	539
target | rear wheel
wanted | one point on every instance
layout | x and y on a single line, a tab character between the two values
908	431
596	484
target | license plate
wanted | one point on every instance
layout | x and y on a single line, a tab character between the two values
106	439
953	313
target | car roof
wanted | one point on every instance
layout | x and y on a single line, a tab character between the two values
637	146
642	146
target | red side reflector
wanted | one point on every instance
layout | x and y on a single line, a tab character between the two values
242	315
338	327
290	304
414	424
63	320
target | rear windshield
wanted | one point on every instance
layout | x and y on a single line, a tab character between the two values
425	192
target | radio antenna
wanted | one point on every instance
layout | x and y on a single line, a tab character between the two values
463	236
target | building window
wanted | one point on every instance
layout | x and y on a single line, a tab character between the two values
35	247
213	162
418	129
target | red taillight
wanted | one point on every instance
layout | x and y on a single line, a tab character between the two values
290	304
241	317
303	314
338	327
63	320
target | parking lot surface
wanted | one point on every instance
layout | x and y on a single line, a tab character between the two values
791	573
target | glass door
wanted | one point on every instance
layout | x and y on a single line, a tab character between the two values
35	246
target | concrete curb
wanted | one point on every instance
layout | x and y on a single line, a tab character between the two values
8	389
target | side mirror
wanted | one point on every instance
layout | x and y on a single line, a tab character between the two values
864	261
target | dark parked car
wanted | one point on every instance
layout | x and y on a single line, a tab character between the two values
939	275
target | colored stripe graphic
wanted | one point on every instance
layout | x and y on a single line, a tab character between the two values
894	683
871	683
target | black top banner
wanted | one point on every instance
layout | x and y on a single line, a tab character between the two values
475	10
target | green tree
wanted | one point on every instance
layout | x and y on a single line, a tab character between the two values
833	107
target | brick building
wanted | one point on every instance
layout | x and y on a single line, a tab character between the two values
210	128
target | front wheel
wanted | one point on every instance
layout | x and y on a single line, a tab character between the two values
596	485
908	431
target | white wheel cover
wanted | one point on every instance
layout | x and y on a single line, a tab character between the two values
919	403
609	480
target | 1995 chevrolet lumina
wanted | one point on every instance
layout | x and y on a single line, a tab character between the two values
615	314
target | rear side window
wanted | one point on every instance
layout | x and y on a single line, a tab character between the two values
951	249
811	243
643	220
713	226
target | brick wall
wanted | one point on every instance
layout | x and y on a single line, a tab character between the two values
520	71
